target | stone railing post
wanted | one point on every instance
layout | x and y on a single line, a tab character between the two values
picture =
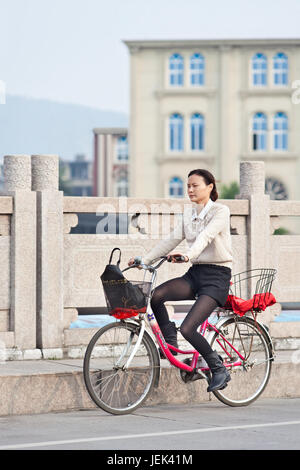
22	318
258	227
252	187
45	178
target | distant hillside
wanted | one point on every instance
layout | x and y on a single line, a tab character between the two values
33	126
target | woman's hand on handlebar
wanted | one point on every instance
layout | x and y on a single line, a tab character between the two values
133	261
177	258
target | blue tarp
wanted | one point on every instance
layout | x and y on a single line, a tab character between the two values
97	321
92	321
288	315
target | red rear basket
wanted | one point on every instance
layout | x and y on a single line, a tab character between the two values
251	291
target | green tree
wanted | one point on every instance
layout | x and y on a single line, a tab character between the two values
229	191
281	231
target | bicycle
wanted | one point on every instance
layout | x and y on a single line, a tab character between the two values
122	361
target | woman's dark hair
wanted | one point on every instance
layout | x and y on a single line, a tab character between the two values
209	179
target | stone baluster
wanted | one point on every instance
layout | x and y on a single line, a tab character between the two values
17	183
50	228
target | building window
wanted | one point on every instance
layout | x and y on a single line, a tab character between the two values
259	70
81	191
122	148
79	170
176	70
122	187
197	132
176	187
280	69
176	132
197	65
280	131
259	132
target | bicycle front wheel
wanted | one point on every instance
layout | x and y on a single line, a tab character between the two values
249	379
113	388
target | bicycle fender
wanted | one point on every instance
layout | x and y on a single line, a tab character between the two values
157	359
270	342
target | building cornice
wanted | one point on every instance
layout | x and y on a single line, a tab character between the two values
185	157
266	91
269	156
136	45
111	130
186	91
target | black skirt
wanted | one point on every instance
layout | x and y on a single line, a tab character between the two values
209	279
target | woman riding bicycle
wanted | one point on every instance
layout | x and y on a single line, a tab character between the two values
206	228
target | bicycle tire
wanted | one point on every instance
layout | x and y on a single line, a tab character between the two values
249	380
115	390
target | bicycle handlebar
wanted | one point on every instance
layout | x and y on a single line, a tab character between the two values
138	262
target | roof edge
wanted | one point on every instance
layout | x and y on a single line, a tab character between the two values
164	43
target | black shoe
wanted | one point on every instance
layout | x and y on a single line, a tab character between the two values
169	332
220	375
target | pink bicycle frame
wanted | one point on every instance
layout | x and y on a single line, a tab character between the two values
167	348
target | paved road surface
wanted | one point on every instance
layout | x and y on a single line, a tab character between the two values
267	424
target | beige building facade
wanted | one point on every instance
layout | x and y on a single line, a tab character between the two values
212	104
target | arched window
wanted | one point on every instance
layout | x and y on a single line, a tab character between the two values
276	189
259	70
259	132
197	66
197	132
280	69
176	132
122	148
176	70
176	187
280	131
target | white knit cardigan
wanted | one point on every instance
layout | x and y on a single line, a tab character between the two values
207	234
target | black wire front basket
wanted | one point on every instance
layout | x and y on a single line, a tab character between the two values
125	298
251	291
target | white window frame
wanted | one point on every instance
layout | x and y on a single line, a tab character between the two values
177	135
259	132
177	71
281	131
281	71
258	71
201	120
198	71
177	185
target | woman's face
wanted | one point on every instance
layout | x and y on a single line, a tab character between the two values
198	190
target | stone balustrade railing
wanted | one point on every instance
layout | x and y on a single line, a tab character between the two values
48	272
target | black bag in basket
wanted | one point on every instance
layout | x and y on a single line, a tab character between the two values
120	292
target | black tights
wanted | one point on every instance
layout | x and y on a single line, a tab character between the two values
180	289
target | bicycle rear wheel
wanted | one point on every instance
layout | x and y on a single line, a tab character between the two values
250	379
114	389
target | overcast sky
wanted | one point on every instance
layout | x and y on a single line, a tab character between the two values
72	51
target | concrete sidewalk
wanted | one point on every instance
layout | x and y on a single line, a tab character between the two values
43	386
